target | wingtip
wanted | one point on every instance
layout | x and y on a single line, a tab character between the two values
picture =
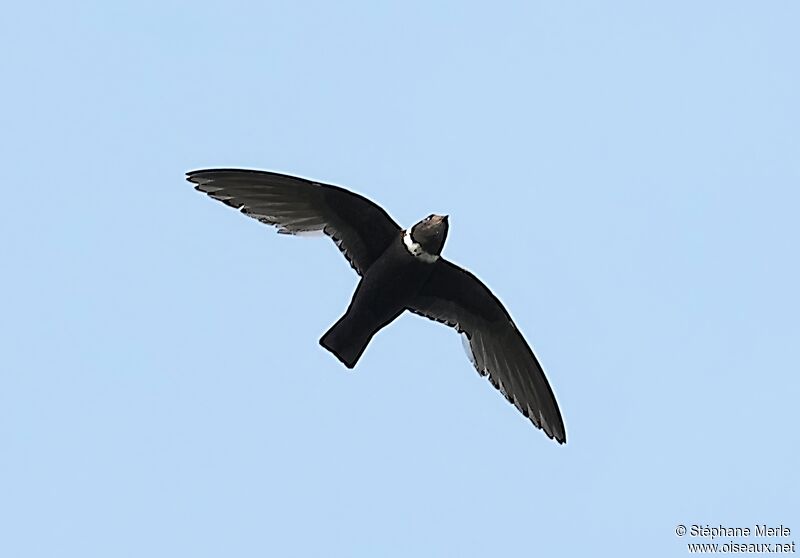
560	434
190	177
560	437
193	176
202	182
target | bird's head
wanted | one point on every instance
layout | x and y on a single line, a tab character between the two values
430	233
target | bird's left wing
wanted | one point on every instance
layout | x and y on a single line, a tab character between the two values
457	298
360	228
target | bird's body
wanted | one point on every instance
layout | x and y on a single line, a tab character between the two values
400	270
384	292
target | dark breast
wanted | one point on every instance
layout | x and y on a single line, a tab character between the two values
394	277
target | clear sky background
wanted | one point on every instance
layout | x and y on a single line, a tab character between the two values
623	175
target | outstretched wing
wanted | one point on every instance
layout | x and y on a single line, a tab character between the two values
360	228
457	298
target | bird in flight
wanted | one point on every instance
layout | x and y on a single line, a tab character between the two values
400	270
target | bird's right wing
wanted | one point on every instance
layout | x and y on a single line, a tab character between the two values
497	349
360	228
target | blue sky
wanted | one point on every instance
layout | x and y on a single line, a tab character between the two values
623	175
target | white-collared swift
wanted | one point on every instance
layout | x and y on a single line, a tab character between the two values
400	270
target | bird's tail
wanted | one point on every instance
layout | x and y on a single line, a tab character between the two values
345	341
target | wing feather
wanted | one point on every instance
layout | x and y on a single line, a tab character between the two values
360	229
455	297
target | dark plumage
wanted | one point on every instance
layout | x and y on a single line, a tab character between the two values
400	270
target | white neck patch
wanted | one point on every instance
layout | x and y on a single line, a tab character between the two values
416	250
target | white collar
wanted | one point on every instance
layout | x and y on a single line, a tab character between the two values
416	250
